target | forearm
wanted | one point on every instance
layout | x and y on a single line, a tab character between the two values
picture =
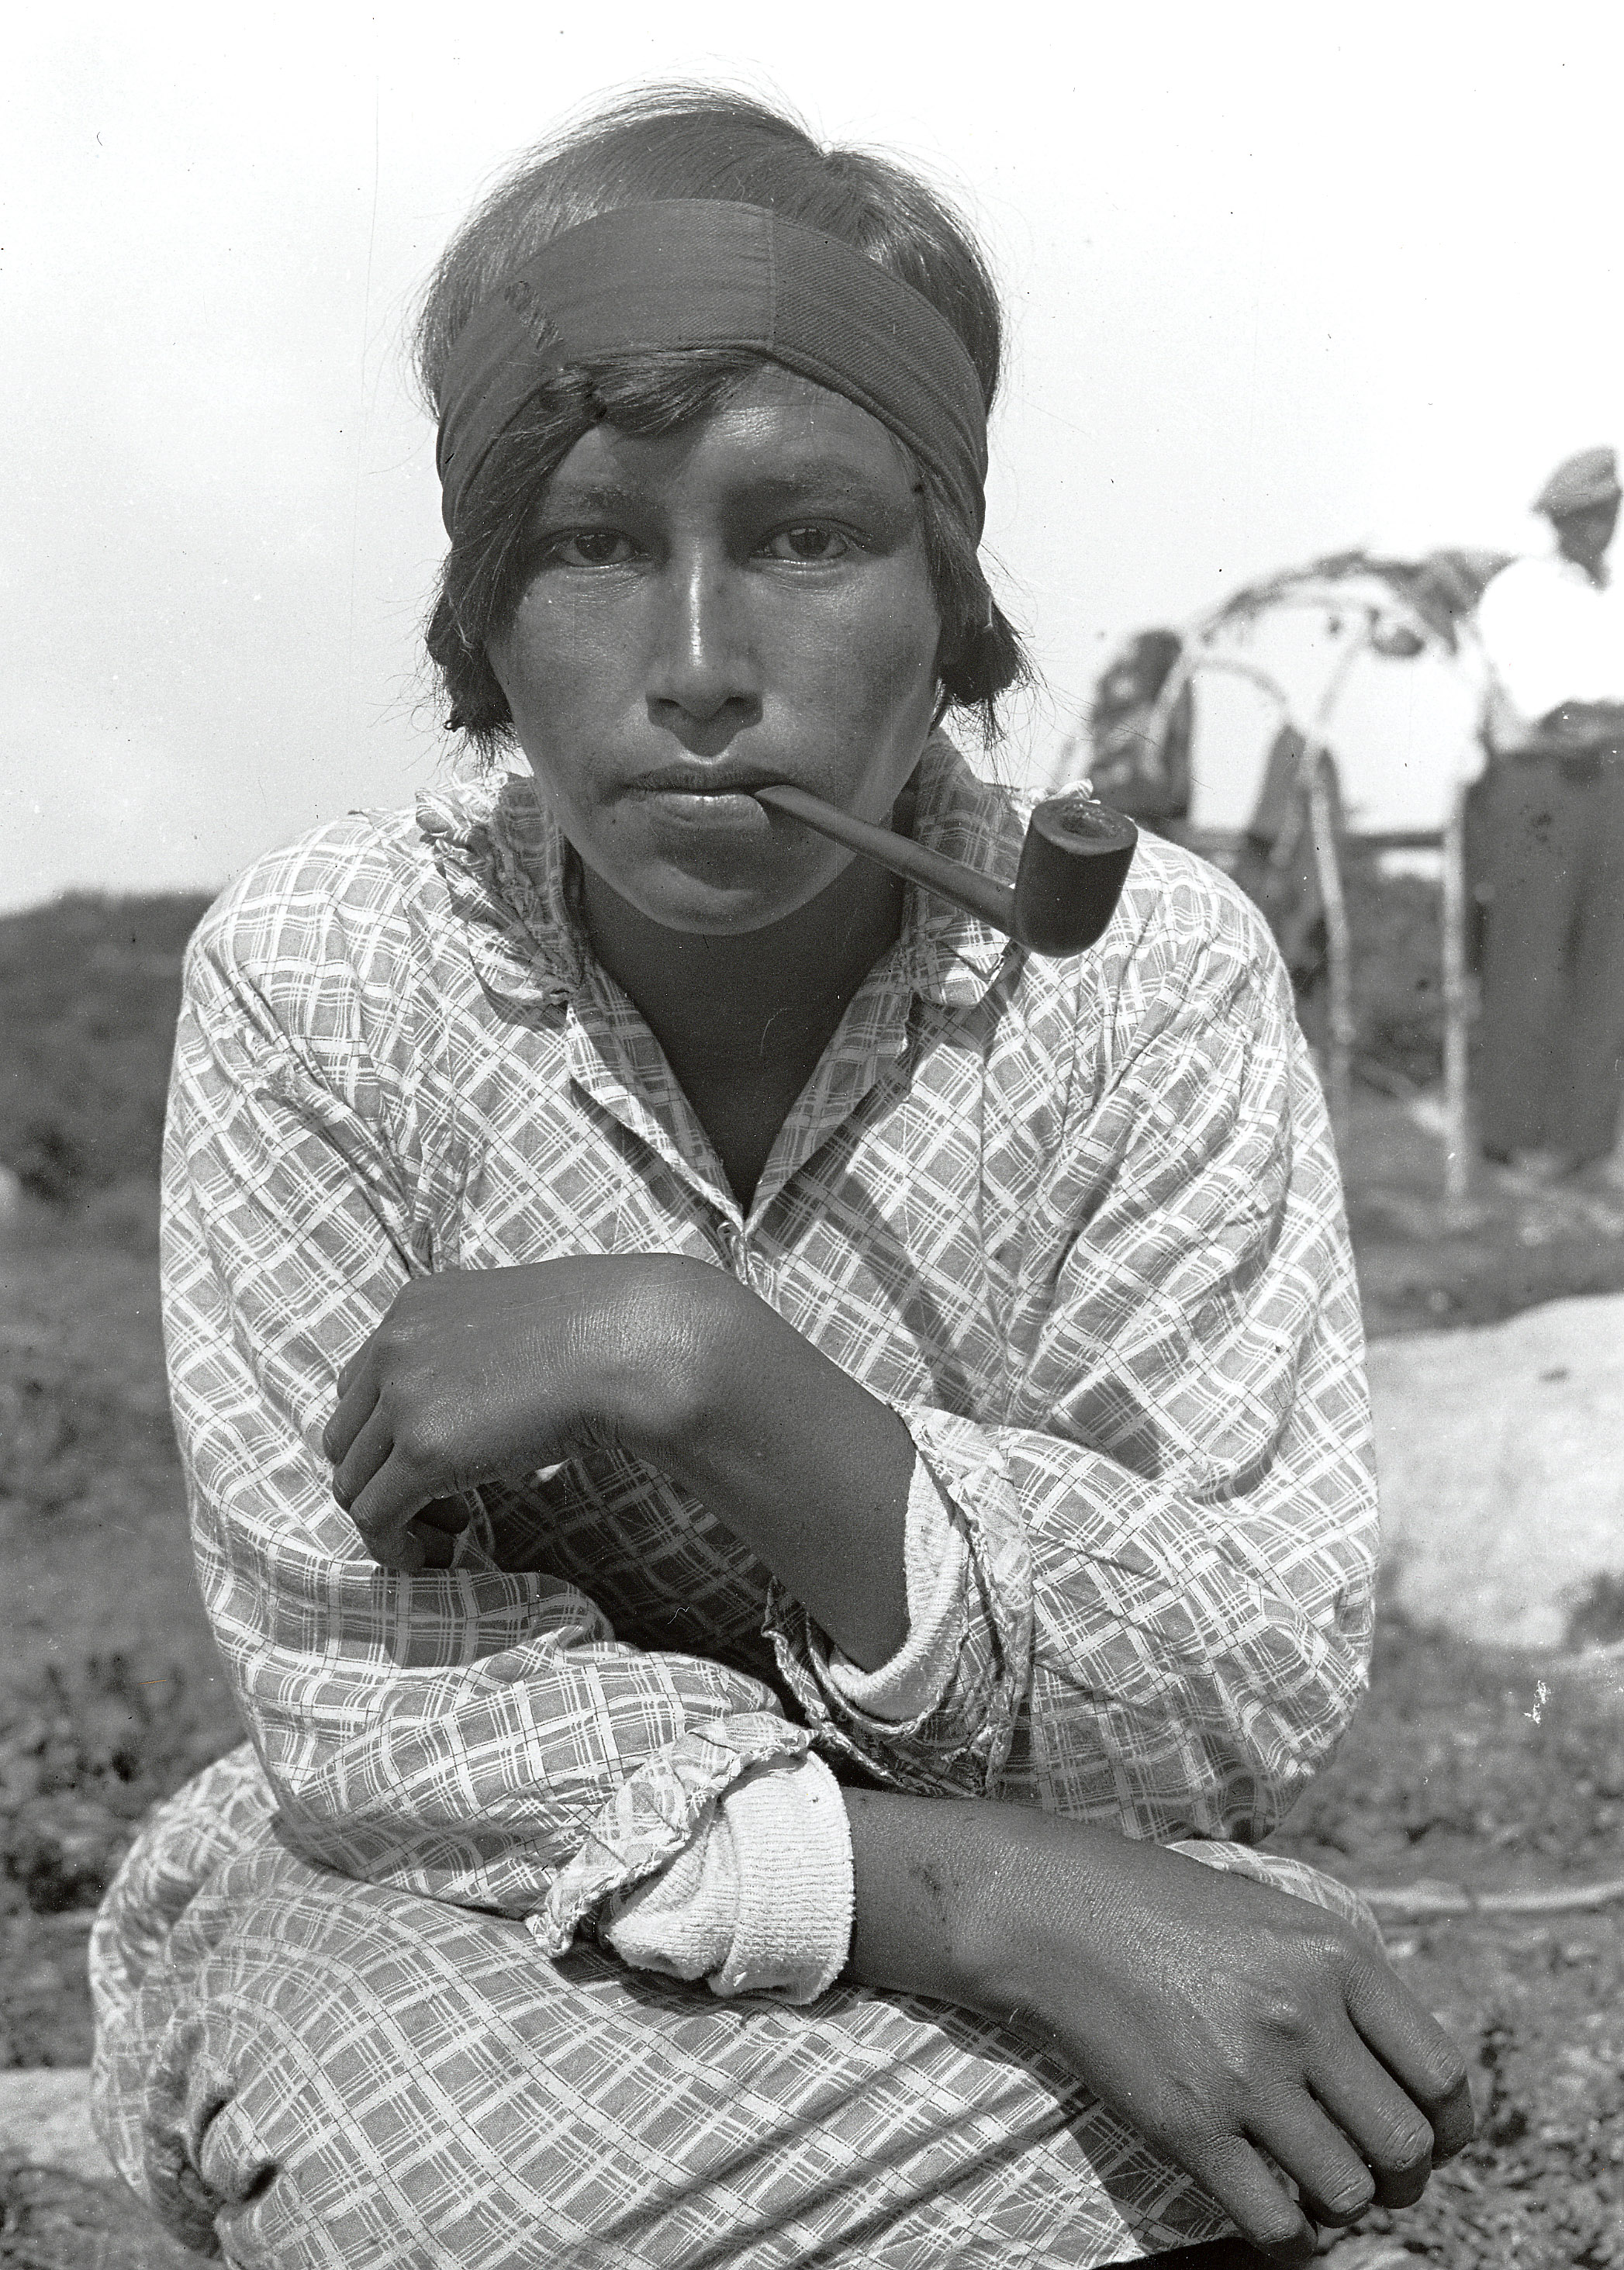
802	1464
481	1376
1222	2018
919	1870
952	1897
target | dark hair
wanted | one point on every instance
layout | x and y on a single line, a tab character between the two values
692	142
1144	662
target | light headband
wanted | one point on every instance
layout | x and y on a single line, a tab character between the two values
697	272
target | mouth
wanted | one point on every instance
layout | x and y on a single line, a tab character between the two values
708	781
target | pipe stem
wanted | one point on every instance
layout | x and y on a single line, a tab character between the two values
976	894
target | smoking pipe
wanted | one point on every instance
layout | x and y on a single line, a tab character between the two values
1072	866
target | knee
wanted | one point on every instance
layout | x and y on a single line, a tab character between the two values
296	2081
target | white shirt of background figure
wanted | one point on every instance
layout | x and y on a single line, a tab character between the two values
1552	626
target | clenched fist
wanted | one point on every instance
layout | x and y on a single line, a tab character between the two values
478	1376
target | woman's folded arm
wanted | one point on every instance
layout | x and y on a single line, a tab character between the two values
459	1732
1164	1562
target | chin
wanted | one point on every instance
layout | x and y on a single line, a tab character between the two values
715	910
719	897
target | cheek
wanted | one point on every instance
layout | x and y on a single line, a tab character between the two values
556	699
883	657
565	689
548	658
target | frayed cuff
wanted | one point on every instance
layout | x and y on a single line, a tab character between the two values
760	1901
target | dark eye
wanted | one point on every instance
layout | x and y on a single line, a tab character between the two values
811	542
592	547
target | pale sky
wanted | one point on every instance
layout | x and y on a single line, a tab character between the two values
1280	280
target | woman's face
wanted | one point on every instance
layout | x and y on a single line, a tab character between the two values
744	601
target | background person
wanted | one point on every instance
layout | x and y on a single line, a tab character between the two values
1551	1035
1135	762
655	1307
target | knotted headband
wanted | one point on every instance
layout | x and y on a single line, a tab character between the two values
697	272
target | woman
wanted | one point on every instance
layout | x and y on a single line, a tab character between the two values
658	1311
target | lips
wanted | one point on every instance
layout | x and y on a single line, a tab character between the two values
703	780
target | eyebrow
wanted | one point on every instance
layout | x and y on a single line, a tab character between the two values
828	485
592	496
813	481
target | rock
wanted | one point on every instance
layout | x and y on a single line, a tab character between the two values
1501	1459
50	2221
1349	2251
60	2202
45	2120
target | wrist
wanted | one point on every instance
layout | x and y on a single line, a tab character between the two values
988	1905
942	1895
803	1465
1015	1906
670	1343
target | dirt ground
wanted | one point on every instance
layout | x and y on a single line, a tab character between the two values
1424	1266
1468	1766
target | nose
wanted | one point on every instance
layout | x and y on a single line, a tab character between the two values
702	672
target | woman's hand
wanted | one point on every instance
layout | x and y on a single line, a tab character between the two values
485	1375
1222	2018
479	1376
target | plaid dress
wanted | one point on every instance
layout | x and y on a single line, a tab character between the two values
1079	1223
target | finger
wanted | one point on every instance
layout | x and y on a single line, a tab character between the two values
366	1454
358	1396
383	1513
1382	2121
439	1548
450	1514
1420	2057
1335	2185
385	1507
1255	2201
438	1527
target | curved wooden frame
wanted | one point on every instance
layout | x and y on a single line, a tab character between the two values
1199	654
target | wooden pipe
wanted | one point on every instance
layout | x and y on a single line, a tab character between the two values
1072	866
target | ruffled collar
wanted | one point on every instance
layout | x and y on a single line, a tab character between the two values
514	885
507	873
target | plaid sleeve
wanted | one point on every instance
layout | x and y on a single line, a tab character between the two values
1167	1613
461	1732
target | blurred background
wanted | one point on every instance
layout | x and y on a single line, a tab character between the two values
1280	281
